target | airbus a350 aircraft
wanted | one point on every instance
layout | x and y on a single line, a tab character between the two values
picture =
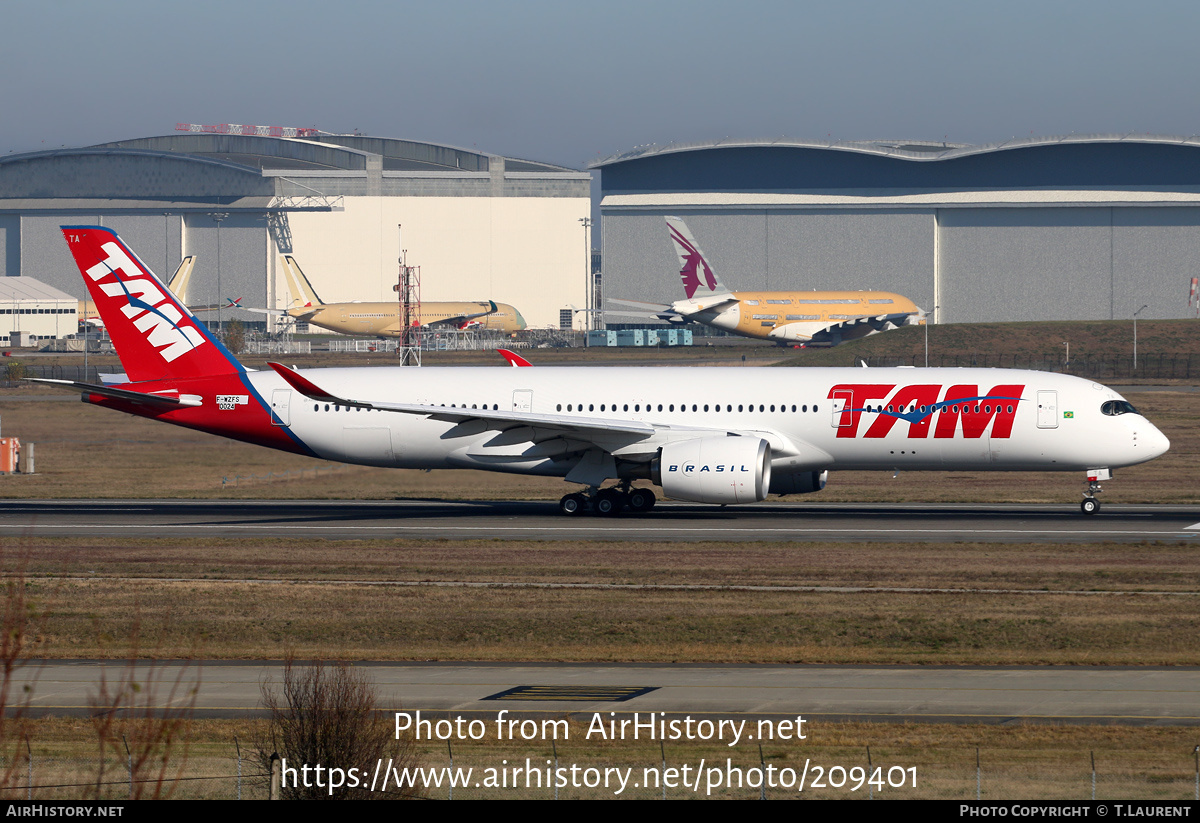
383	319
823	318
709	435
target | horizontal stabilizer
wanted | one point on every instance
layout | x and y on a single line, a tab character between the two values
174	400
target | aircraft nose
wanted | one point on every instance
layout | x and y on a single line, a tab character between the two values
1155	442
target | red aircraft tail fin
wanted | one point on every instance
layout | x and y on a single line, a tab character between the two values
155	335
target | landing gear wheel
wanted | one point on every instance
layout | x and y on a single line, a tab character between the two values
573	504
641	500
1090	505
608	503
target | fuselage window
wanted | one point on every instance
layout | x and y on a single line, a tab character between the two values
626	407
671	407
316	407
693	407
559	407
1010	409
660	406
987	409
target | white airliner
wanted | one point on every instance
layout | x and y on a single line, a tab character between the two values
711	435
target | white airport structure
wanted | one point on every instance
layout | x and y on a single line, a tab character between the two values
32	311
1084	227
480	226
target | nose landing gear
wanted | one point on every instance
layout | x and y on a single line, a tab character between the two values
1090	504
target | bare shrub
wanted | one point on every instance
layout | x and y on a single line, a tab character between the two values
327	715
19	642
131	716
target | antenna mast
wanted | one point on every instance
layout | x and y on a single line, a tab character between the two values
408	288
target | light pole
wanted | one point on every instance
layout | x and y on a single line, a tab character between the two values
1067	356
926	324
217	218
587	271
1135	314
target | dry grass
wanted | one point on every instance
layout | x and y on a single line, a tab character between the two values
505	601
1017	762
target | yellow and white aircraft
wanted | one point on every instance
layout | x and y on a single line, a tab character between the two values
383	319
821	318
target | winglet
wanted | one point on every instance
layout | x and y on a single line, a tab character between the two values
513	358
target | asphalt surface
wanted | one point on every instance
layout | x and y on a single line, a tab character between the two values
988	694
542	521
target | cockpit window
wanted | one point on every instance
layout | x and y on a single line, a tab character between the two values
1115	407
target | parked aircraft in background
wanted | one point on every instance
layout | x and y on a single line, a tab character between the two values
710	435
383	319
818	318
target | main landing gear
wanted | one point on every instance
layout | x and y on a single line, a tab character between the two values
1090	504
608	502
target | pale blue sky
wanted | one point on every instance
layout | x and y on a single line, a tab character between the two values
570	82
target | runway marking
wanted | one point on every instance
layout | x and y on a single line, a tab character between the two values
607	694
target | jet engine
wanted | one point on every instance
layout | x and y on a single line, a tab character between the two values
798	482
714	469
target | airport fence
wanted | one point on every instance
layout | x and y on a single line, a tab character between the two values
1158	366
277	347
676	774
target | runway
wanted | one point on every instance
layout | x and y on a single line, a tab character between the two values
1005	523
986	694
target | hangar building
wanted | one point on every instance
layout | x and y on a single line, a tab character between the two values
35	309
479	226
1070	228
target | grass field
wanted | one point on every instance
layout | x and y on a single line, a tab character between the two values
1027	762
497	600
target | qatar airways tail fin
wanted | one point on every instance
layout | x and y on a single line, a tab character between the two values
699	279
155	335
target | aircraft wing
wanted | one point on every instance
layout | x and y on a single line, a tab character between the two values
159	400
638	304
454	415
654	311
458	321
599	440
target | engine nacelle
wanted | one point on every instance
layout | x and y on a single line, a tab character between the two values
798	482
715	469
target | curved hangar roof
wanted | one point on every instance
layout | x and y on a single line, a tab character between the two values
198	171
1077	161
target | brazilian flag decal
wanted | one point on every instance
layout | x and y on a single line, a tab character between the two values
1068	415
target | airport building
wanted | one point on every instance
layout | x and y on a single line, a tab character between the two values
1070	228
479	226
33	311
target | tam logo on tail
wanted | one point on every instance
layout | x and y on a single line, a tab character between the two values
147	306
155	336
